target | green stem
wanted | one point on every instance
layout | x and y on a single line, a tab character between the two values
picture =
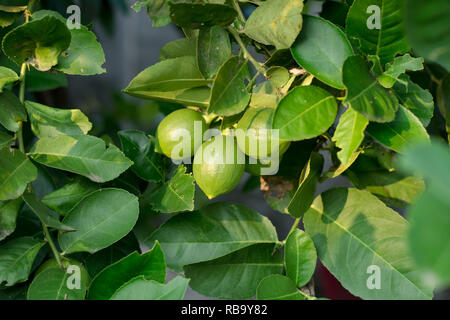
239	11
52	245
247	54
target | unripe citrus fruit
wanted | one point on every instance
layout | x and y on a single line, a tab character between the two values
255	137
176	136
218	166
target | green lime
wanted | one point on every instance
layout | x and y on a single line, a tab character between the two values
176	133
218	166
254	134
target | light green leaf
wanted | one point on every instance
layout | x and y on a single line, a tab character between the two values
276	22
237	275
138	147
428	29
365	94
306	112
199	15
385	40
300	257
141	289
11	112
278	287
304	196
211	232
278	76
150	266
213	48
349	134
44	214
398	67
47	122
55	284
8	216
16	258
352	228
230	95
82	154
7	76
322	49
66	198
101	219
39	42
178	48
16	171
405	130
265	95
176	195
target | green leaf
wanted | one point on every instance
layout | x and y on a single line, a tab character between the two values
8	18
16	259
97	229
214	49
55	284
428	30
47	122
39	42
405	130
138	147
211	232
8	216
237	275
352	228
11	112
386	40
83	155
44	214
278	76
178	48
141	289
66	198
158	11
322	49
150	266
349	134
6	140
176	195
265	95
417	100
7	76
36	81
306	112
13	5
300	257
398	67
443	101
198	15
365	94
230	95
16	171
304	196
278	287
276	22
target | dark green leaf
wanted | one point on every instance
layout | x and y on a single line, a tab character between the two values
214	49
198	15
11	112
300	257
8	216
7	76
6	140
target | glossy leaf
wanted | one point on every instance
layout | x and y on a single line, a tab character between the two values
214	49
405	130
276	22
300	257
16	259
7	76
349	134
278	287
365	94
51	122
82	154
230	95
306	112
197	15
237	275
354	229
12	111
150	266
211	232
16	171
97	229
141	289
139	148
8	216
176	195
39	42
385	40
398	67
322	49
